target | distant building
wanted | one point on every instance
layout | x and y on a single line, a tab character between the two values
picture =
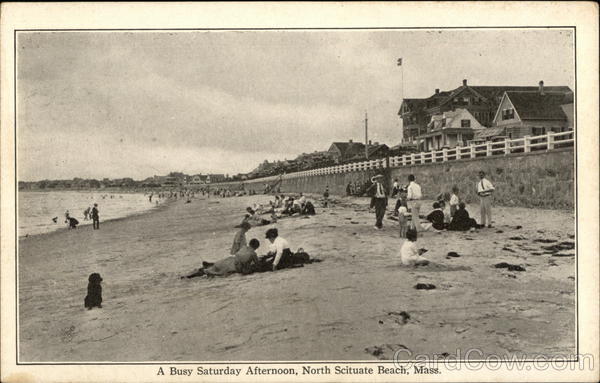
414	118
170	181
198	179
481	101
449	129
215	178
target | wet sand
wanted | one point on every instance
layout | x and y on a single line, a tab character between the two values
348	307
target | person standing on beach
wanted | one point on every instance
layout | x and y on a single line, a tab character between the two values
95	217
326	196
485	189
413	197
379	200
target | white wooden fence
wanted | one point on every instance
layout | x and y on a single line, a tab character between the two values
526	144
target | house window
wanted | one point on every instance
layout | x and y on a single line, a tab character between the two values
508	114
465	123
443	122
538	131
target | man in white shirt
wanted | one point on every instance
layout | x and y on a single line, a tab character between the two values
485	189
413	198
379	200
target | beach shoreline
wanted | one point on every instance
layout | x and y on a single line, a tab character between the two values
149	314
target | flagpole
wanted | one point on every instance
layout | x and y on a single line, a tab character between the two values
402	80
399	63
366	136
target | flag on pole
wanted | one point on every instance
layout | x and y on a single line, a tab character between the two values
400	62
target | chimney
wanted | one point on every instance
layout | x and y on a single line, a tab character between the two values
437	91
541	88
465	82
369	142
350	140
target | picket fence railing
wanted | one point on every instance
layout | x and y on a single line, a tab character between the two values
549	141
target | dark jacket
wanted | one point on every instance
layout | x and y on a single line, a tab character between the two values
461	221
436	217
372	190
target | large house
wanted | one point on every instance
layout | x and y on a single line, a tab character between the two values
481	101
534	113
449	129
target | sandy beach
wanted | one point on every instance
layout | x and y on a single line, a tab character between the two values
348	307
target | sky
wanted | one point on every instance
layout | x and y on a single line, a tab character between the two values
137	104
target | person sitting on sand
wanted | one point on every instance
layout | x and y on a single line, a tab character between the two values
289	208
409	254
279	249
461	220
454	200
253	219
242	262
298	204
239	240
436	217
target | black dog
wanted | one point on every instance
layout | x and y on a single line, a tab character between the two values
94	292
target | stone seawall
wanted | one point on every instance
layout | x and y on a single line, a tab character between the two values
537	179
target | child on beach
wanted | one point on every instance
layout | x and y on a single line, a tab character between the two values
409	254
454	201
402	219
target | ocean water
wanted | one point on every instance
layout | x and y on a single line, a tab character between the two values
36	209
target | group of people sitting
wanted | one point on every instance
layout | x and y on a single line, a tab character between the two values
456	219
244	259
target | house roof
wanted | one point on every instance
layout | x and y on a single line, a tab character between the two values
415	104
348	149
492	94
536	106
374	148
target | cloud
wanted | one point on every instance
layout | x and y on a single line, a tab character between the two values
142	103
